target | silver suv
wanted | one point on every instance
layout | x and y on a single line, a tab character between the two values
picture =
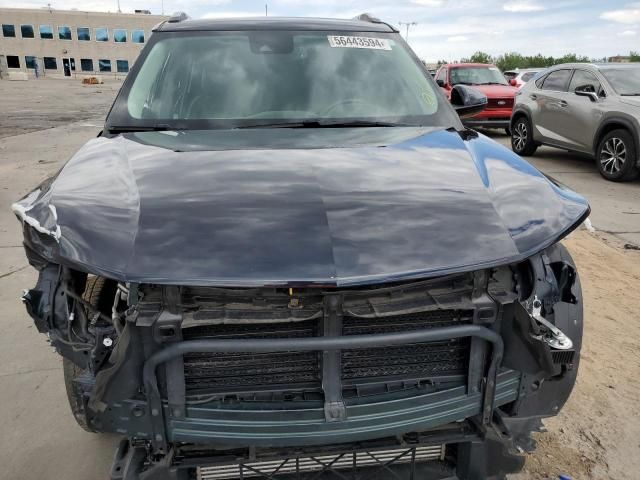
588	108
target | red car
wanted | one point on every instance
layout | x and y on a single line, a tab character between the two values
489	80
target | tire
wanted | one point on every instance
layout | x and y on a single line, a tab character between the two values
522	141
616	156
96	293
507	131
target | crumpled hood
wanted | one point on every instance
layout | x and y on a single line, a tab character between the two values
379	205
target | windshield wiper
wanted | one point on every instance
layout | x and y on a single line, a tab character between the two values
630	94
327	124
492	83
133	128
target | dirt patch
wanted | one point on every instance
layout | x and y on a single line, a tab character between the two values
597	434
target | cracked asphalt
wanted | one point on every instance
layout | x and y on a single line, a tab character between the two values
39	436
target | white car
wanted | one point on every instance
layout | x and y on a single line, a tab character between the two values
518	78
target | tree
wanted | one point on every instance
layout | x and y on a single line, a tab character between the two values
571	58
511	61
634	56
480	57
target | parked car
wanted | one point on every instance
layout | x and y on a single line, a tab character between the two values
517	78
285	255
489	80
587	108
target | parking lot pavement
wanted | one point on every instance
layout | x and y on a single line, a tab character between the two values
615	207
45	107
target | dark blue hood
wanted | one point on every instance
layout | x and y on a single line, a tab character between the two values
295	206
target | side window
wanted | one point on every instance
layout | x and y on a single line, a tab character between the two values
557	81
585	80
137	36
27	31
86	64
528	76
442	75
8	31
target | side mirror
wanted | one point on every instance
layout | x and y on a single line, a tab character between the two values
513	82
587	91
467	101
440	83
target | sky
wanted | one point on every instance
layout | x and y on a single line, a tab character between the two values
446	29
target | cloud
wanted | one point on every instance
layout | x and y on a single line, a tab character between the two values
629	15
457	38
429	3
231	14
520	6
627	33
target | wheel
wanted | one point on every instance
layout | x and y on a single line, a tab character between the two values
616	156
96	292
522	138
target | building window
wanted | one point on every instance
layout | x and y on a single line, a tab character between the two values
122	66
102	35
27	31
46	32
83	33
86	65
30	61
119	35
13	61
64	33
105	65
137	36
8	30
50	63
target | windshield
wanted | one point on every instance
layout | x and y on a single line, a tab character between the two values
625	81
271	78
477	76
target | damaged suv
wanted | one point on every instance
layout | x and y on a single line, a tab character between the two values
285	257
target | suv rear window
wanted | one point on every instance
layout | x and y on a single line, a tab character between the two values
556	81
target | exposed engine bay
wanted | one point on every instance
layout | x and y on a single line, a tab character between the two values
470	355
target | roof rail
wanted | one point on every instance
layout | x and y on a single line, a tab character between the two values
367	17
178	17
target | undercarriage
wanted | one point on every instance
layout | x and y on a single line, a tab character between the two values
438	378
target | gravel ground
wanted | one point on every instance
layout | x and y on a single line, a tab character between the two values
597	434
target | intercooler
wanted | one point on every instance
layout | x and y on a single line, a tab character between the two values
299	373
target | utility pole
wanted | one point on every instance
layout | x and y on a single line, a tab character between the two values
407	24
266	9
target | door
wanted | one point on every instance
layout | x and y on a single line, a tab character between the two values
585	113
443	81
66	67
552	99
